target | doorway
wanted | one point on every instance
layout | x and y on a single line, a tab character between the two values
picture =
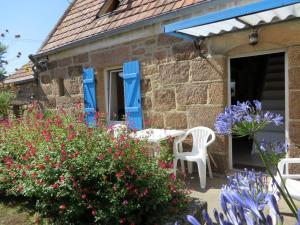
260	78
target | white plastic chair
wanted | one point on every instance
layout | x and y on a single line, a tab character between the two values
292	181
117	130
202	138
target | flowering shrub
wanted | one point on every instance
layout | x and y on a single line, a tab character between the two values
83	175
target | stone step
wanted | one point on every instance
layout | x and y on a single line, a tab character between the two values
274	76
271	105
275	68
276	60
271	85
273	94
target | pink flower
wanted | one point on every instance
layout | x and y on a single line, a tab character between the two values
94	213
125	202
83	196
61	179
63	206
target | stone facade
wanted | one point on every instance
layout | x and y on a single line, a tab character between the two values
180	89
294	95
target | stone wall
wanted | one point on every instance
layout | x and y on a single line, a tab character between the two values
179	89
294	97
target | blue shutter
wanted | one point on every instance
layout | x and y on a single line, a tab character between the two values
132	89
89	95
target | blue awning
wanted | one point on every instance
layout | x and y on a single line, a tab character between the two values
237	18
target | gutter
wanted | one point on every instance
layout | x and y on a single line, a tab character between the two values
149	21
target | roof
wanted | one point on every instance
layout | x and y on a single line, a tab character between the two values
24	74
80	20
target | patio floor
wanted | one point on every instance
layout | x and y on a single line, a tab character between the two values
212	192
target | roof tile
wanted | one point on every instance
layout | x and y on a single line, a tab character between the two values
80	21
23	74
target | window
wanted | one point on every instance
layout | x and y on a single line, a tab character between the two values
108	6
115	96
61	87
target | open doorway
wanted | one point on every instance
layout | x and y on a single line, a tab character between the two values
260	78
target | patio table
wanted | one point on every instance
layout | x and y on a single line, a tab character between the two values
156	136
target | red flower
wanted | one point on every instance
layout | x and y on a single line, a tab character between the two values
172	176
19	167
63	152
55	186
34	174
42	167
101	157
24	174
40	116
47	158
62	207
120	174
122	220
48	138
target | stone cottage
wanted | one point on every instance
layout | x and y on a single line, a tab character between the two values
177	64
25	87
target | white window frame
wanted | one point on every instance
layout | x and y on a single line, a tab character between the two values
109	72
286	76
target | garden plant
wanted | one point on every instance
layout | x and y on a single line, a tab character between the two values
77	174
5	99
246	197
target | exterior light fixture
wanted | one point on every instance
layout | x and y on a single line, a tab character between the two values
253	37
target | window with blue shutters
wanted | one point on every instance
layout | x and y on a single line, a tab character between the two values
89	91
115	97
132	90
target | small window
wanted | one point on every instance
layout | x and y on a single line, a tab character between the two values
108	6
115	98
61	87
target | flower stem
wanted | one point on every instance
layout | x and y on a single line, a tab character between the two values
263	158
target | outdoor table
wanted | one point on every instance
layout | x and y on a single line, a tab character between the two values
156	136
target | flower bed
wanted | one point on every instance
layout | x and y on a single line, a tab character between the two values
78	174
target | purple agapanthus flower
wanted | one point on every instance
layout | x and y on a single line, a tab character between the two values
277	147
258	105
243	202
298	221
245	118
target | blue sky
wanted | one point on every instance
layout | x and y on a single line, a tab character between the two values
33	20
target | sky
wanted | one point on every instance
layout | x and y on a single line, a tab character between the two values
33	20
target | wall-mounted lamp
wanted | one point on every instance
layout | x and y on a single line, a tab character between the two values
253	37
200	46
